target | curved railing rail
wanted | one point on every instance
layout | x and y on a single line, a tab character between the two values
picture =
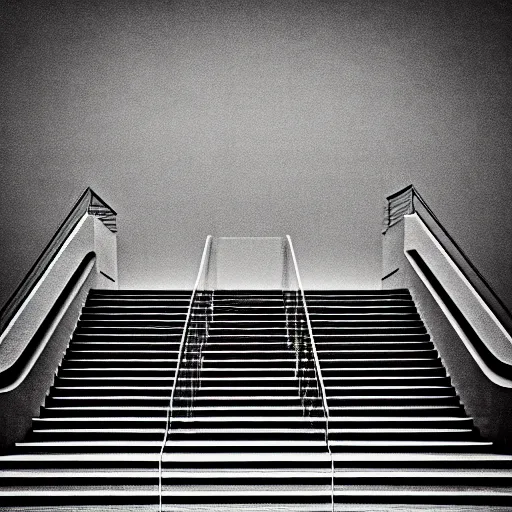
408	201
304	342
89	202
15	374
189	335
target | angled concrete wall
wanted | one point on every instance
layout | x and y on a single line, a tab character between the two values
33	344
485	395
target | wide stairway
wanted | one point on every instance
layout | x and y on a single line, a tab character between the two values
247	426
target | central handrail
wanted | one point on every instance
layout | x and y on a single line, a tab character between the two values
181	352
318	369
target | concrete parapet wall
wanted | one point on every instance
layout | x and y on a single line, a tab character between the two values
32	345
487	398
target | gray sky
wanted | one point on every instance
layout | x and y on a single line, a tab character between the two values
244	118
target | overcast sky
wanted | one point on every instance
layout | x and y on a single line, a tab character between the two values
252	118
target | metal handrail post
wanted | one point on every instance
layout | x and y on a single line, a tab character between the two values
318	369
178	364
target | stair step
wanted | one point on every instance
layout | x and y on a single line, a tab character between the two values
225	400
445	495
99	433
242	410
400	410
356	308
406	390
34	477
178	423
401	422
336	322
256	363
220	422
92	391
251	309
358	293
118	364
111	371
219	391
401	434
118	356
423	460
98	324
192	460
199	412
106	330
206	382
251	495
156	335
89	314
139	301
285	391
397	380
343	331
379	362
376	316
138	293
242	322
387	371
66	382
126	345
251	372
106	308
333	346
80	460
102	401
104	412
368	354
279	347
103	446
360	300
432	476
384	400
214	477
267	445
209	353
220	316
393	445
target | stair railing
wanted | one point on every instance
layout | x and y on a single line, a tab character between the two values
189	359
408	201
188	378
300	333
88	203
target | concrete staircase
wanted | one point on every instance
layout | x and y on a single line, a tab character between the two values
398	432
242	436
98	437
